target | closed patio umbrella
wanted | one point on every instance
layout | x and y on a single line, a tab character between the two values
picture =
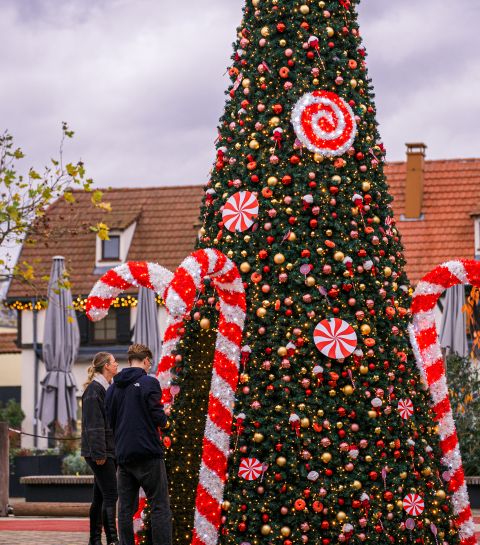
146	326
453	328
61	343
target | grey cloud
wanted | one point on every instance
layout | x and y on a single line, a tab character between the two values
142	82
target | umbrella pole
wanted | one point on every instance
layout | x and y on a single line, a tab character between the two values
36	372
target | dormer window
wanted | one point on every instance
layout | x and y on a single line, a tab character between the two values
112	252
111	248
476	223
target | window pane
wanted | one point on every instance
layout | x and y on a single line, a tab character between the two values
106	329
111	248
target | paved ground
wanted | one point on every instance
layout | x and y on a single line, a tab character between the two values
48	531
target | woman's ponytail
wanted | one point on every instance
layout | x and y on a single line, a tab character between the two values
98	363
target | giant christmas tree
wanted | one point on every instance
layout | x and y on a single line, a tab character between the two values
334	440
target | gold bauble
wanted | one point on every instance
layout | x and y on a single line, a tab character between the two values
365	329
261	312
266	303
247	238
246	83
362	287
320	412
289	266
230	253
427	471
376	220
292	237
403	475
363	369
289	211
440	494
258	437
332	393
372	414
387	271
341	516
348	390
202	231
285	531
330	31
339	256
301	407
318	157
272	181
265	32
274	121
304	9
329	232
353	83
336	179
282	42
281	461
226	505
310	281
278	408
254	144
282	351
305	422
366	186
255	3
279	259
316	81
326	457
205	323
266	530
238	146
357	485
228	238
339	425
389	507
400	504
368	458
378	431
321	4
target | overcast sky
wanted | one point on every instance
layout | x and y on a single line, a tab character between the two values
142	81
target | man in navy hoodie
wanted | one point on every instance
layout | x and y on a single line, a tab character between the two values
135	413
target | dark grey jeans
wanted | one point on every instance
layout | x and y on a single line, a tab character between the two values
151	475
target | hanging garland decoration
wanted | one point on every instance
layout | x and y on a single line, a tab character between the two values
324	123
121	278
240	211
179	298
424	339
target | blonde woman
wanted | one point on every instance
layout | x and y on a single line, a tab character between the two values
99	450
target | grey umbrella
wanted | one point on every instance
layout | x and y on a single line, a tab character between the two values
453	329
61	342
146	326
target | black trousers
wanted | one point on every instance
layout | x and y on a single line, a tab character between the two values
104	492
151	475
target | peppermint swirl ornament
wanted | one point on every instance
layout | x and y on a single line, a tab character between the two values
324	123
413	504
240	211
250	469
335	338
405	408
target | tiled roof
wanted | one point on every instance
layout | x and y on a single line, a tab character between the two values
8	344
167	226
451	194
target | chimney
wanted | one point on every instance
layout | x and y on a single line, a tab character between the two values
414	183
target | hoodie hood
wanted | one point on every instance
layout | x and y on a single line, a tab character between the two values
128	376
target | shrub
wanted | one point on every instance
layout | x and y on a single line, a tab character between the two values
75	464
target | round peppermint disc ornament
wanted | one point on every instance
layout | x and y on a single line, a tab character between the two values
324	123
405	408
335	338
413	504
250	469
240	211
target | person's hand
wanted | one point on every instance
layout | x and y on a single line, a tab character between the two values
100	462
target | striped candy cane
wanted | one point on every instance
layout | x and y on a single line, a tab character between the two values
179	298
119	279
424	338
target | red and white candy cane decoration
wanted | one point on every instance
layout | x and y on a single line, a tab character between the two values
424	338
179	299
119	279
324	123
250	469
